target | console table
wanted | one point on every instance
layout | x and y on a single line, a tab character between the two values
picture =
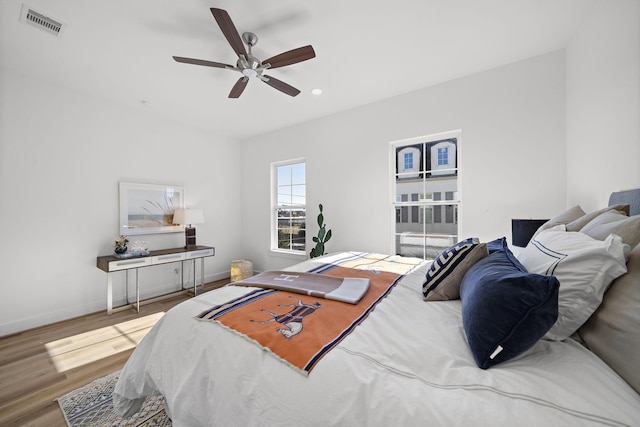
112	263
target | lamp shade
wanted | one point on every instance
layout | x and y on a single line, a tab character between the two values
188	216
522	230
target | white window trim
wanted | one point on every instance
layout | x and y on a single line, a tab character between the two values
288	253
392	167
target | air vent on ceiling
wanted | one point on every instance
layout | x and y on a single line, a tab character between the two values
41	21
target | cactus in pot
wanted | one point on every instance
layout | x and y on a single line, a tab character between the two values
323	236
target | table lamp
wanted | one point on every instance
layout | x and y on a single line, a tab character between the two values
188	217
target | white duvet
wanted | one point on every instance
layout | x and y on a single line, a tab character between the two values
407	364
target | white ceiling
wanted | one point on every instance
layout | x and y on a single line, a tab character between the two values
366	50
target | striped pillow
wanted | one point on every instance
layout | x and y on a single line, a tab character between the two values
443	278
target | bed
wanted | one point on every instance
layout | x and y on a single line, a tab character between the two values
424	351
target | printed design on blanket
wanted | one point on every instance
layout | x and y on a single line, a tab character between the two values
300	329
292	319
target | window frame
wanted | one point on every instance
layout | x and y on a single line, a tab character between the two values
273	225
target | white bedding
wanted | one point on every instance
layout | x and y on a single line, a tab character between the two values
407	364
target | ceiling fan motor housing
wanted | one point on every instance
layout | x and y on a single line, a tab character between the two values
250	65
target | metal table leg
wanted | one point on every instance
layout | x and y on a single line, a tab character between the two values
194	277
109	294
202	272
182	274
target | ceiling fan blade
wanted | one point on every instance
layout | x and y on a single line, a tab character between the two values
202	62
229	30
291	57
238	88
281	86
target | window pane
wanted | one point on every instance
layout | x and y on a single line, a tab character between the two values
448	214
284	175
408	160
284	223
283	240
298	173
443	156
404	213
298	190
284	199
437	214
298	194
298	200
428	214
415	214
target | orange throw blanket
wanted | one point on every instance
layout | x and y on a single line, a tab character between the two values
301	329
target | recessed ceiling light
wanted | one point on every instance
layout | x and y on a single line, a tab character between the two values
316	91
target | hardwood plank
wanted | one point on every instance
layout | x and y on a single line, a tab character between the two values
42	364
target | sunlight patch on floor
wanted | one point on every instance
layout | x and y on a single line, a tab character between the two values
81	349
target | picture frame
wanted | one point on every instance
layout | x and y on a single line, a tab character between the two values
148	208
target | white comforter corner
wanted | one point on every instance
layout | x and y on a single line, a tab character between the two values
407	364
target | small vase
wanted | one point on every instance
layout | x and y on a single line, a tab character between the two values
120	249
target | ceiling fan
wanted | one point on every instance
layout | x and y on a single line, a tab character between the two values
247	64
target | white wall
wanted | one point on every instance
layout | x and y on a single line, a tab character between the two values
62	154
511	153
603	104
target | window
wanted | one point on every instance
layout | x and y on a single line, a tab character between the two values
426	195
289	207
408	160
443	156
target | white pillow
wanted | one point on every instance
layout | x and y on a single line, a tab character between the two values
585	267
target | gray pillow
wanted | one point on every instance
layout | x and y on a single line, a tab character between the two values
613	331
615	222
579	223
443	278
565	217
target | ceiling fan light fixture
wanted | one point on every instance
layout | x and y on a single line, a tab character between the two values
249	72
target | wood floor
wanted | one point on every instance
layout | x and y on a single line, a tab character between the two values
42	364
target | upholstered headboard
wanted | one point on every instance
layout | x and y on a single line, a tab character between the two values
630	197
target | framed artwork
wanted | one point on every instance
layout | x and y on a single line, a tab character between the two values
148	208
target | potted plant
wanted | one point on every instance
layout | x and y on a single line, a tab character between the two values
323	236
121	244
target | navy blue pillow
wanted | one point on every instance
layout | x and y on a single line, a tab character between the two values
497	245
505	310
